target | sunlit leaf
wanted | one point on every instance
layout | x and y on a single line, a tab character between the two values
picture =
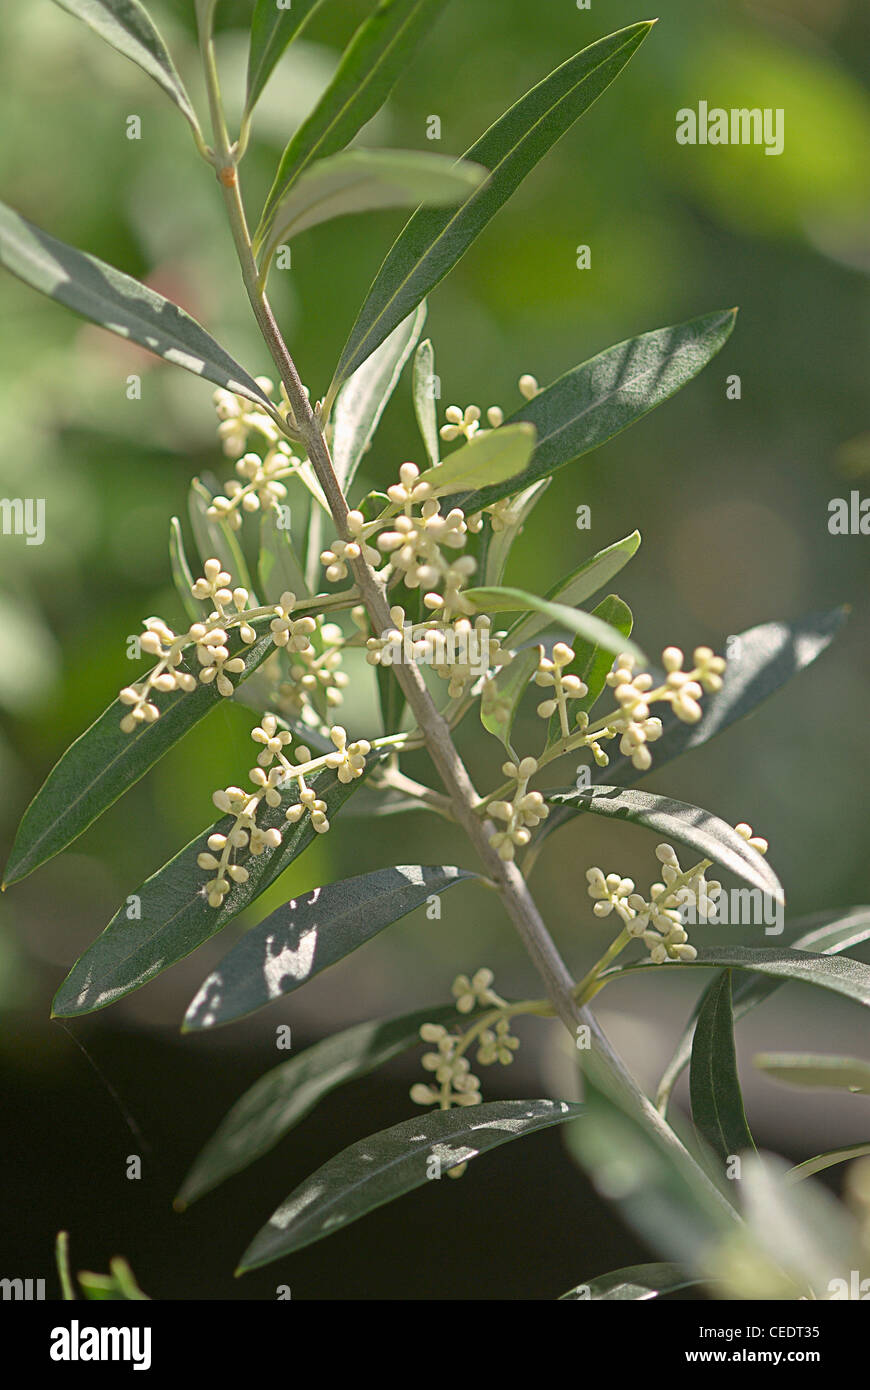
501	696
602	397
432	242
364	396
706	834
365	181
278	1101
634	1284
127	26
118	303
425	407
369	67
490	455
171	916
507	600
308	934
592	575
389	1164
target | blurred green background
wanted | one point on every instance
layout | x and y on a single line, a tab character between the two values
731	498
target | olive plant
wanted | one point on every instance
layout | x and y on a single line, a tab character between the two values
412	579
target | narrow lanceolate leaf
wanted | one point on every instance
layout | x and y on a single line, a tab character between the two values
840	975
308	934
363	398
118	303
273	28
425	396
215	538
501	696
591	663
366	180
717	1102
365	76
503	600
174	916
278	566
760	660
491	454
820	1162
827	933
632	1285
500	542
385	1166
127	26
104	761
278	1101
707	835
582	584
432	242
815	1070
182	576
605	395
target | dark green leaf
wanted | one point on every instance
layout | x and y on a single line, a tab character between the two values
760	660
841	975
364	181
385	1166
118	303
826	933
502	600
601	397
592	575
813	1069
369	67
175	917
278	1101
634	1284
104	761
432	242
363	398
308	934
717	1102
127	26
272	29
702	832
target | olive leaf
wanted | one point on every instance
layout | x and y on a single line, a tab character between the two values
118	303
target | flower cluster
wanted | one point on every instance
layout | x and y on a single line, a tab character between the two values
551	673
453	1082
521	814
210	642
659	919
273	777
634	694
258	485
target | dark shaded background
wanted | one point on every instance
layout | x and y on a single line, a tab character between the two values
731	498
